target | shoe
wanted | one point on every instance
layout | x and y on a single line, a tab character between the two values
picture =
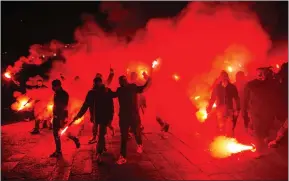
139	149
165	128
92	140
56	155
121	160
77	143
35	131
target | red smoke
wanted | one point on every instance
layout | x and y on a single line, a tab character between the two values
196	45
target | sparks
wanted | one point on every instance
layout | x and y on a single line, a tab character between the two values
223	147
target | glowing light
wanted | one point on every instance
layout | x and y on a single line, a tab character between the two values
78	121
23	103
155	63
64	130
43	56
202	115
54	54
50	107
277	66
197	97
230	69
8	75
214	105
176	77
223	147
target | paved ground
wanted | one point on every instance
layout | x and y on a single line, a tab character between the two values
176	157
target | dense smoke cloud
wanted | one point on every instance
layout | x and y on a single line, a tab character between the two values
196	45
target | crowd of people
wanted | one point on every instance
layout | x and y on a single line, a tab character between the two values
259	101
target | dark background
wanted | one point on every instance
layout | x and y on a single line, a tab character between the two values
27	23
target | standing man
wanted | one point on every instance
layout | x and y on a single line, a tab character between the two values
36	128
224	94
95	126
260	107
98	100
60	113
129	113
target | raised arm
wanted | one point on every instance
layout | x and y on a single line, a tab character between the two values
84	106
110	77
140	89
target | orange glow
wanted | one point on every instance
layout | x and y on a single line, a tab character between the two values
50	107
197	97
78	121
223	147
230	69
176	77
7	75
202	115
21	104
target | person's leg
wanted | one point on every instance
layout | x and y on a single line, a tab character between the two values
100	147
94	133
36	127
135	126
124	128
57	142
74	139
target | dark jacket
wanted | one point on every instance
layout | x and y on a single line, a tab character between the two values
60	103
260	99
99	101
224	96
128	101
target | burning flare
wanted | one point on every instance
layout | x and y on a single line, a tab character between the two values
7	75
223	147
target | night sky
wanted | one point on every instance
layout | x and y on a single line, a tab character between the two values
27	23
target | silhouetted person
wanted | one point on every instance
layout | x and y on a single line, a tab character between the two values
99	102
141	100
129	113
60	113
36	128
282	114
95	126
224	94
260	105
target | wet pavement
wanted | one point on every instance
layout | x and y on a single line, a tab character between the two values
174	156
